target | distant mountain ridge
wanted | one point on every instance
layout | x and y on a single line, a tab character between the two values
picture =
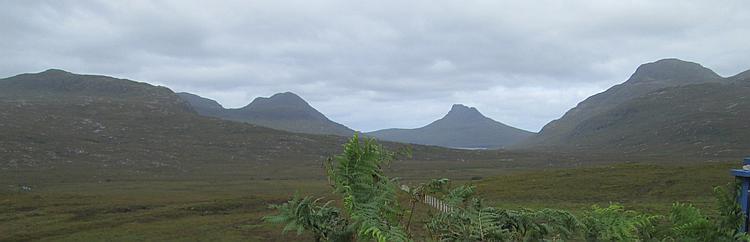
462	127
284	111
90	125
60	126
55	81
63	85
666	106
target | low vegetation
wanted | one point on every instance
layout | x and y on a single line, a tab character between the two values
370	208
371	211
45	205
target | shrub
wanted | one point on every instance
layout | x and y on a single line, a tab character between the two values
614	223
372	212
370	209
470	220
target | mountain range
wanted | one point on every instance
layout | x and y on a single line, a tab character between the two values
462	127
59	120
283	111
65	126
668	106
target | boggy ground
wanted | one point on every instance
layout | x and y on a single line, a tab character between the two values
229	206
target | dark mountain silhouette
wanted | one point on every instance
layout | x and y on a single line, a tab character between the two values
669	106
284	111
462	127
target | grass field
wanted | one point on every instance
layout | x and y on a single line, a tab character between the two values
230	208
639	186
153	210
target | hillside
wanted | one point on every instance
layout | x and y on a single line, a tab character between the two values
704	119
669	106
462	127
647	78
201	105
61	126
283	111
56	120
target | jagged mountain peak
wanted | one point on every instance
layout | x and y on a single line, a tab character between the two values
462	112
672	69
462	108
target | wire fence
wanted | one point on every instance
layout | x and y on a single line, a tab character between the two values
431	201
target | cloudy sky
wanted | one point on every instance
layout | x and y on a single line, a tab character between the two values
378	64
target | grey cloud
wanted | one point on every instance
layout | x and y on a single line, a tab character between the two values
378	64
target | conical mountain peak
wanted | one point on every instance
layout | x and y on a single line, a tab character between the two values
280	99
672	70
462	127
287	97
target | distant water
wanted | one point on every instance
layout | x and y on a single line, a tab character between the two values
469	148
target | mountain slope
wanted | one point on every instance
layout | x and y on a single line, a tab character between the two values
61	127
708	119
646	79
283	111
99	125
740	77
698	115
462	127
201	105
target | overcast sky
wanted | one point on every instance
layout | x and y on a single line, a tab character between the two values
378	64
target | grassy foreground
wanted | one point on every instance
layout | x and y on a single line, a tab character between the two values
154	211
231	209
639	186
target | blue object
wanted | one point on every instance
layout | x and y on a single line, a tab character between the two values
746	161
742	199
